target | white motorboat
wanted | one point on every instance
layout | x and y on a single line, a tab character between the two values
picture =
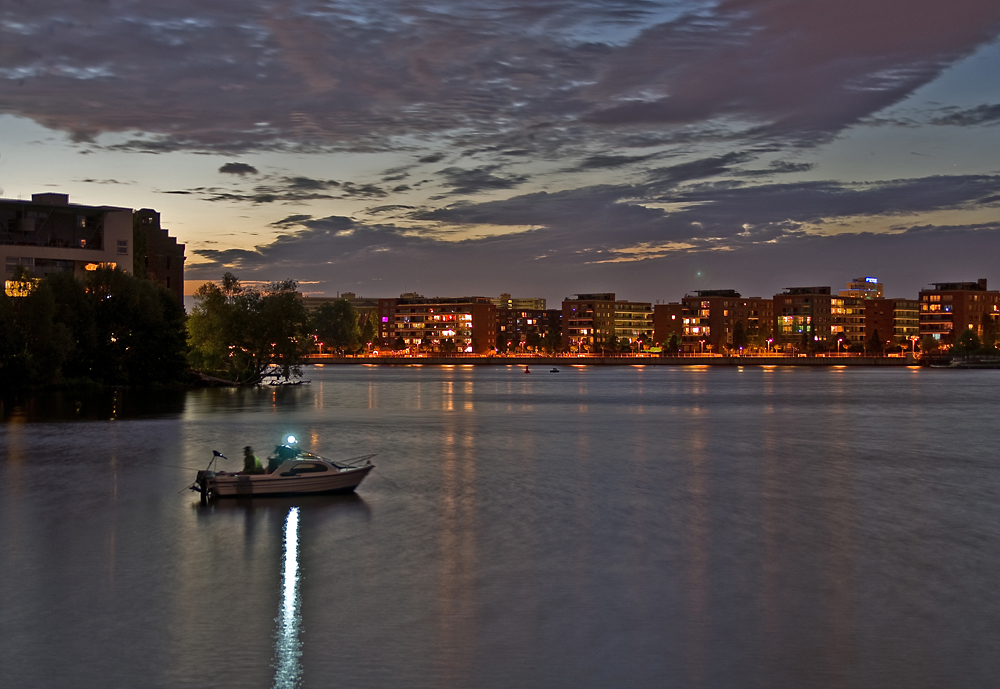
290	471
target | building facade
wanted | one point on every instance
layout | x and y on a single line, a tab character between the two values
668	319
588	321
459	324
158	257
49	234
863	288
710	318
634	324
528	329
802	317
893	320
847	319
950	308
505	301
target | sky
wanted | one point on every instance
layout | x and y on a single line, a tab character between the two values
534	147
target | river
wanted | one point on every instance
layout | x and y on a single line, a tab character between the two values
597	527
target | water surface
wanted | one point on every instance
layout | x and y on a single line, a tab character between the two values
599	527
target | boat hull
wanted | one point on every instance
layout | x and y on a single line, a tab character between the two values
244	485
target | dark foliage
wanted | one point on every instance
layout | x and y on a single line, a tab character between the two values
109	328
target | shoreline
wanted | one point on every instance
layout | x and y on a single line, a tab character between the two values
556	361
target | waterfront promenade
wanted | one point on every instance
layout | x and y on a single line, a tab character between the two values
613	360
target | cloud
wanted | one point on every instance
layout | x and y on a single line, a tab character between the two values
982	114
355	252
240	169
521	78
479	180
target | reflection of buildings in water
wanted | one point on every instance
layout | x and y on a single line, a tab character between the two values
287	646
456	598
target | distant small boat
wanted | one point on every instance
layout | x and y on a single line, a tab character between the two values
554	370
294	473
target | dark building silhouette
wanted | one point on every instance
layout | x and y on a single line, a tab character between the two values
158	257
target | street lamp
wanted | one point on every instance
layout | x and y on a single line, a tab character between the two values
702	347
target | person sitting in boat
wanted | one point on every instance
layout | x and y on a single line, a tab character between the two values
251	465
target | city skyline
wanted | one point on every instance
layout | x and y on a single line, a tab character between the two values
646	148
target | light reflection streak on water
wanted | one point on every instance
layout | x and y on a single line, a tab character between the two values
287	647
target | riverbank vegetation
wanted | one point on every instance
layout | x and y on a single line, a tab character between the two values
242	334
108	328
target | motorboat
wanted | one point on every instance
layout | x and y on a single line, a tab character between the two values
290	471
553	370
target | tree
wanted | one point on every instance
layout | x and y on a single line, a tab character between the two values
110	328
928	344
552	341
336	325
967	343
675	343
368	330
240	332
875	345
399	344
740	339
991	331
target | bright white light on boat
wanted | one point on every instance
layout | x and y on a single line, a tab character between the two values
291	440
287	647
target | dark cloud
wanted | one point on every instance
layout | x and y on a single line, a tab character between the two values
478	180
238	169
607	161
393	208
291	220
530	264
432	158
983	114
778	167
288	190
536	76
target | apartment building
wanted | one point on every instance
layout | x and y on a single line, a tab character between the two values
894	320
49	234
525	329
505	301
710	317
590	321
802	317
460	324
863	288
668	319
157	256
950	308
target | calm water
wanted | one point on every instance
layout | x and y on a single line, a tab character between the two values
623	527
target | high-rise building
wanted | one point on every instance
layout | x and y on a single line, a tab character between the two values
49	234
950	308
